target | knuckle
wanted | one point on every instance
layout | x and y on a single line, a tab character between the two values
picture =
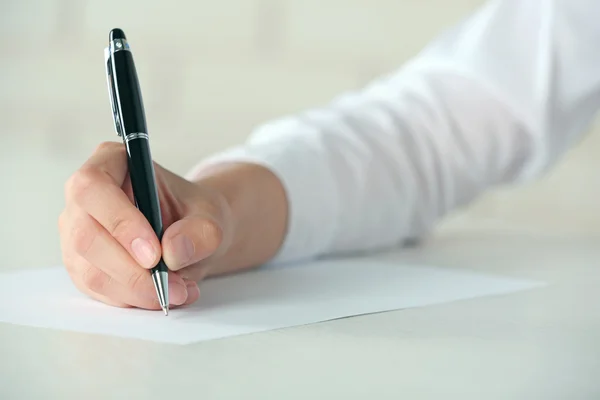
212	235
80	182
94	280
76	271
112	149
135	281
68	262
118	226
82	238
107	146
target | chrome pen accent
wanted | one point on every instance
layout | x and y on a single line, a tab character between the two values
111	91
118	45
137	135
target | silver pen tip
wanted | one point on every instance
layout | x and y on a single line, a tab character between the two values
160	280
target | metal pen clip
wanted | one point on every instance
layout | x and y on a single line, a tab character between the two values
111	91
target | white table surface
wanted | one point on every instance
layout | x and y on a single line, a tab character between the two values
538	344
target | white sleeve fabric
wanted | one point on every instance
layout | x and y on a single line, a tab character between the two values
496	99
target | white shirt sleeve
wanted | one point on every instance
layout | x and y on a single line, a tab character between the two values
496	99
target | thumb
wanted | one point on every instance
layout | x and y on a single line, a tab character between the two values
190	240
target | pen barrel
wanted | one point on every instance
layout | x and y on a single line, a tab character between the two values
143	182
132	113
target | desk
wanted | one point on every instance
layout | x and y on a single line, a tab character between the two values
539	344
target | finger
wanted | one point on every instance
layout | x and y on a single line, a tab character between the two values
87	278
99	286
189	241
96	189
73	263
76	267
110	158
196	272
193	292
75	270
93	243
82	272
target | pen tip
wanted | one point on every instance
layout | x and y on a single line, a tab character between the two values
166	310
117	34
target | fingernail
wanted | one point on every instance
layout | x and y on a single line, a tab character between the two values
183	248
144	252
177	293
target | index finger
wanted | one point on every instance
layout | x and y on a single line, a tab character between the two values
96	189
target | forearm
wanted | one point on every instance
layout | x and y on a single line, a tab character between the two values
382	165
369	171
257	206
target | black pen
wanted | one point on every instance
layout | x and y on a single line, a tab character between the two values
130	123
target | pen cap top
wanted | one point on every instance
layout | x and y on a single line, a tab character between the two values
117	34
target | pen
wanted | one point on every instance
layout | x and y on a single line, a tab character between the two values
130	123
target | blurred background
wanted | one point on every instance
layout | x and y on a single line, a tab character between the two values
211	71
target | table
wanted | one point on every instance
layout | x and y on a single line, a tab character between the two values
538	344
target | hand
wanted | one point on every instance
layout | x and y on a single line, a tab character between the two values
233	216
108	246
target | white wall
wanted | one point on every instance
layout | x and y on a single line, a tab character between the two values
210	71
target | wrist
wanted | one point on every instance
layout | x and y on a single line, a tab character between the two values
254	209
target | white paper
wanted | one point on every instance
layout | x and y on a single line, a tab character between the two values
250	302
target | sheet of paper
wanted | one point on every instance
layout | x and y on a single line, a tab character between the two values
246	303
